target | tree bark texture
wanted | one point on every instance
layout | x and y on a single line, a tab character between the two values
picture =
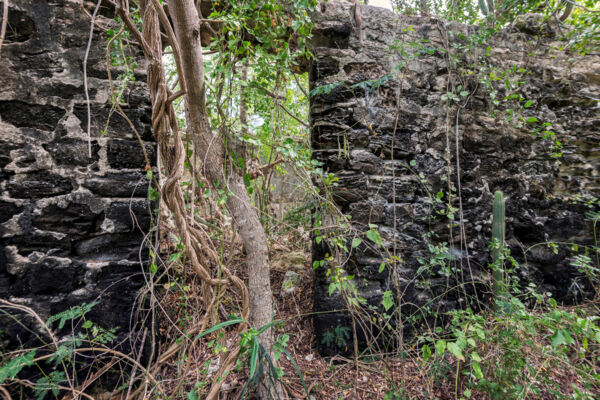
211	152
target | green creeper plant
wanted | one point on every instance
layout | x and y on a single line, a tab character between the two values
498	231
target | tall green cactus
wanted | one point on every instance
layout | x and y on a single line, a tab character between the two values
498	230
483	7
486	7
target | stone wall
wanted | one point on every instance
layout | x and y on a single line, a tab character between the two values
380	123
67	229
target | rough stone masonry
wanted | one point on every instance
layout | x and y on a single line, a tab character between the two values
71	227
380	123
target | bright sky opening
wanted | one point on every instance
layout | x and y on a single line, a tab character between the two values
381	3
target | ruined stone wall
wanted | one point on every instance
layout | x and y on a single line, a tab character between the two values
380	123
66	232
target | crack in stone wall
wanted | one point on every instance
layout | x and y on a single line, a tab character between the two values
368	136
66	232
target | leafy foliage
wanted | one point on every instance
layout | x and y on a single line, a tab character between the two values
62	355
11	369
70	314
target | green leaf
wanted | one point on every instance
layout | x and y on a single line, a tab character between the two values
477	369
456	351
12	369
561	337
356	242
192	395
332	287
426	352
528	104
440	347
270	324
221	325
253	358
174	256
70	314
532	120
374	236
388	300
413	163
381	267
289	356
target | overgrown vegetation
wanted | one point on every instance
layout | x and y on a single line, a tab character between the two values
519	344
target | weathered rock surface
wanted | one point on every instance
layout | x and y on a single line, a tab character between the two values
379	121
67	232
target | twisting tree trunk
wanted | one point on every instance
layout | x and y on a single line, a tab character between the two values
211	152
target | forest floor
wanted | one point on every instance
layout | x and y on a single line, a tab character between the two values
326	378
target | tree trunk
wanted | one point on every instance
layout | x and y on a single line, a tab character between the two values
211	152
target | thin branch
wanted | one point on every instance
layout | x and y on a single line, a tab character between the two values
269	93
293	116
175	95
4	22
581	6
85	81
3	391
30	384
260	171
124	14
300	86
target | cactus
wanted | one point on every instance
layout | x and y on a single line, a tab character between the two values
490	6
498	229
483	7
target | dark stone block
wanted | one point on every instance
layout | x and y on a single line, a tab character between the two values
77	219
42	65
334	323
333	34
364	161
351	188
41	241
72	152
7	210
401	142
128	154
365	212
323	68
50	276
362	71
117	125
65	91
110	247
20	27
117	282
338	94
37	185
5	157
341	116
137	97
22	114
119	184
129	216
325	325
